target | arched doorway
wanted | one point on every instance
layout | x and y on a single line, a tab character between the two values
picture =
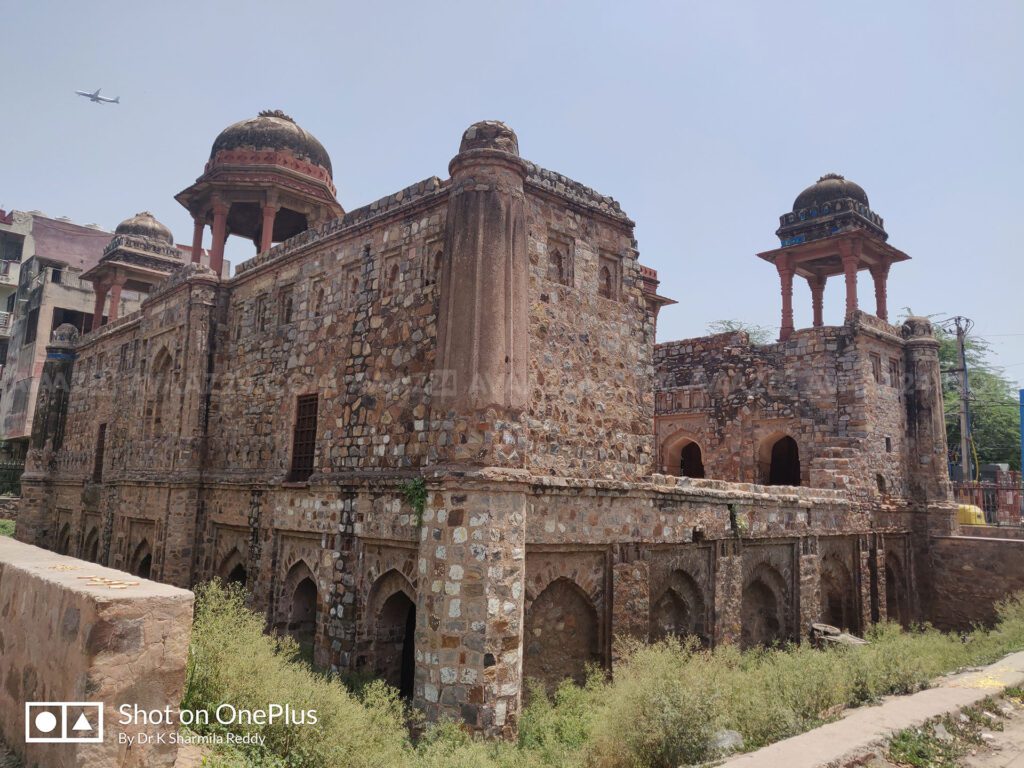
232	569
679	612
763	609
781	466
297	609
396	643
91	547
561	635
64	540
682	457
838	606
141	563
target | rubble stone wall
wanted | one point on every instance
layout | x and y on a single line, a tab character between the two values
971	575
65	638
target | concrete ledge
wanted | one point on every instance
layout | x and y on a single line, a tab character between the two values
863	729
73	631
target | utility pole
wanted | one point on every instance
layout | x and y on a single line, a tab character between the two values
963	325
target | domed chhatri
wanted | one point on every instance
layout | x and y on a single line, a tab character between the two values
830	206
274	130
828	189
145	225
490	134
267	180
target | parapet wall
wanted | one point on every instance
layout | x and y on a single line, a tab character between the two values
67	633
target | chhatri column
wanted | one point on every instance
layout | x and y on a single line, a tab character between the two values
220	234
115	297
850	254
197	239
880	274
267	233
786	270
101	299
817	285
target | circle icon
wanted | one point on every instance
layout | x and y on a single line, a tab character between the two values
46	722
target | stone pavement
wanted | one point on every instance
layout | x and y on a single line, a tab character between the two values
865	729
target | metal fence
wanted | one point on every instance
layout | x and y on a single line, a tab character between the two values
10	477
1003	503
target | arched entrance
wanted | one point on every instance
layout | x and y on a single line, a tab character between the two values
91	547
679	612
763	610
561	635
396	643
682	457
64	540
141	563
232	569
780	461
297	610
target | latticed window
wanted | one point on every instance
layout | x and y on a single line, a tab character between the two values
304	443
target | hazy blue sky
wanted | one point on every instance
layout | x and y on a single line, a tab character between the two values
703	119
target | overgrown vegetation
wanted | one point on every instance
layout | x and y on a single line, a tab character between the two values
664	706
6	527
414	492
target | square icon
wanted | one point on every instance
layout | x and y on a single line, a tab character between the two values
63	722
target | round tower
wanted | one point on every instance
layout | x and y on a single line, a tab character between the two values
483	334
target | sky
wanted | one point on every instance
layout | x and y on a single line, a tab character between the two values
703	119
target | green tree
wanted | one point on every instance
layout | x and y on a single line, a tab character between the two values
758	333
995	411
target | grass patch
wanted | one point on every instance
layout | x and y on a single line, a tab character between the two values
942	741
663	708
6	527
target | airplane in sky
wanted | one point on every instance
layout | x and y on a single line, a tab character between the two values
97	99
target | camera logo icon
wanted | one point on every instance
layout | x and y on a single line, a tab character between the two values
63	722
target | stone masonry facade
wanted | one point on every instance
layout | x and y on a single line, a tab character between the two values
435	440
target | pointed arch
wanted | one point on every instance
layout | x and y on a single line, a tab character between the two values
679	609
141	562
91	546
64	540
682	456
232	568
297	608
778	459
838	606
391	609
561	635
764	611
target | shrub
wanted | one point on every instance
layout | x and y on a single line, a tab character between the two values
6	527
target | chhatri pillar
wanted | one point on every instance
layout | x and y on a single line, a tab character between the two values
849	253
786	271
220	236
817	285
880	274
101	300
197	239
267	229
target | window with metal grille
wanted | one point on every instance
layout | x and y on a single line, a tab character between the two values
101	443
304	443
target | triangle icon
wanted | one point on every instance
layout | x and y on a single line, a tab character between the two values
81	724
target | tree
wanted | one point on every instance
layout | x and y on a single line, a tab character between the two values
995	411
758	333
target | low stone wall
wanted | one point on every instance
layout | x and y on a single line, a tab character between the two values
971	575
993	531
9	507
72	631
